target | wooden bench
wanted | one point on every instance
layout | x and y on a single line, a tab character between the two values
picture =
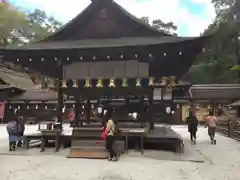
127	132
51	135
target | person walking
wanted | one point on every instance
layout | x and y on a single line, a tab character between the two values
192	122
211	123
110	139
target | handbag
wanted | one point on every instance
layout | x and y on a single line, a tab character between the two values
103	134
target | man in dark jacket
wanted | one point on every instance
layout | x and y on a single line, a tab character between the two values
192	122
21	133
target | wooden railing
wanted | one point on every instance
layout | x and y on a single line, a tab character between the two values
224	127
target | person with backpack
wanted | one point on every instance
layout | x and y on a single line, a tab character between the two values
211	123
13	129
192	123
110	132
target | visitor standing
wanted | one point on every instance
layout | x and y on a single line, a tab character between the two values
192	122
110	132
22	129
13	129
211	123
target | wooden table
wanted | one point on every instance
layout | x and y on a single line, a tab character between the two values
46	134
127	132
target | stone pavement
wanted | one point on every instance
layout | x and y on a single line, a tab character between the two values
221	162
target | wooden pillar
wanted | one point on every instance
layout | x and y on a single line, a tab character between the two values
150	111
77	110
162	93
60	92
213	107
88	111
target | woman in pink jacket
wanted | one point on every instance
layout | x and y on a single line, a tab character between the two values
211	123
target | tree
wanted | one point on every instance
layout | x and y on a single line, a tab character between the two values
17	28
168	27
40	25
222	52
11	21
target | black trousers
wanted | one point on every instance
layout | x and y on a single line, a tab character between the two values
19	143
110	146
12	145
193	134
211	132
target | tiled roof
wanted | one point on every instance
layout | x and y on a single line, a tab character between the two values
16	79
215	91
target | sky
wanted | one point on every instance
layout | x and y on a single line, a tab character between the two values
191	16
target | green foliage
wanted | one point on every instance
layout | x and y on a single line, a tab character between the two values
222	51
167	27
17	27
10	20
235	68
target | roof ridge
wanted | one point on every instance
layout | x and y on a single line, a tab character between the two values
96	5
133	17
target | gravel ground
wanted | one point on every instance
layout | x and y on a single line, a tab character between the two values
221	162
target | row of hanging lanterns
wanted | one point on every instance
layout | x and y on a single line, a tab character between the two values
169	82
39	106
81	58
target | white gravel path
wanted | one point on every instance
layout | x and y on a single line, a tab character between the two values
222	162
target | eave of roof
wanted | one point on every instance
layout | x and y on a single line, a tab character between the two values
216	91
36	95
5	86
235	104
105	43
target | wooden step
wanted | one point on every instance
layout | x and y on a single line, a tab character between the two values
88	154
90	148
88	143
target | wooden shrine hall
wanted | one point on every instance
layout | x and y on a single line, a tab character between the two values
105	52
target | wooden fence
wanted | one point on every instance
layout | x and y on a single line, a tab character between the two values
224	128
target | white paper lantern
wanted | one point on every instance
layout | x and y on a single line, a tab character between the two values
168	110
99	110
105	111
134	115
